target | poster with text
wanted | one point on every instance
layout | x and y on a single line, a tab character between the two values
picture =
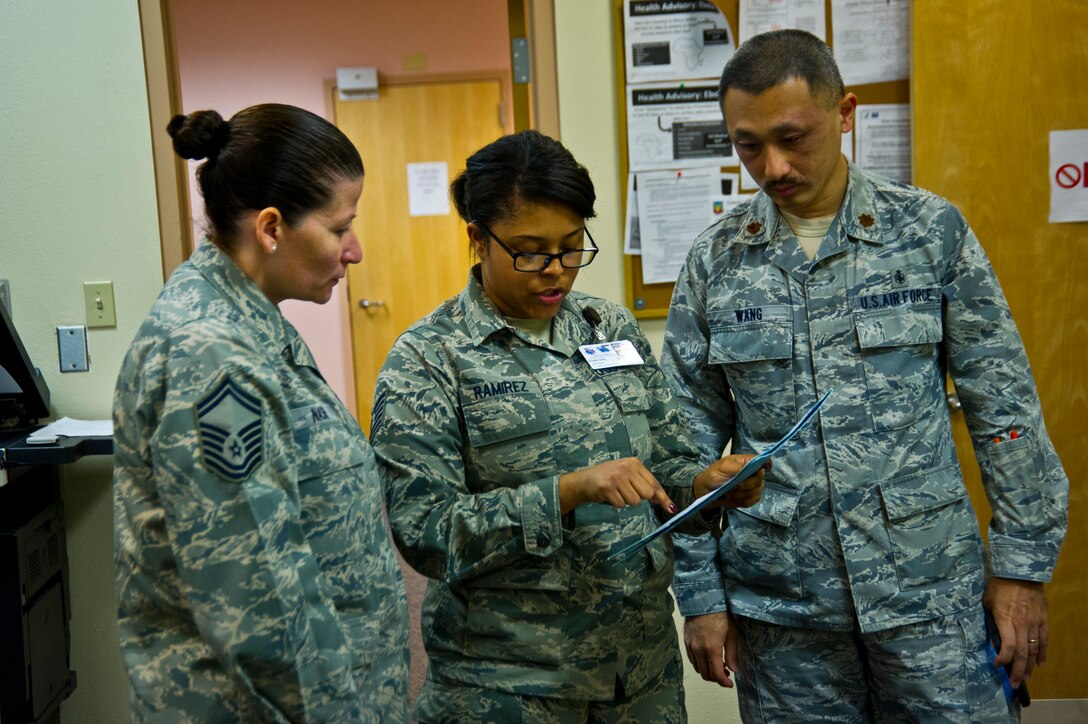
1068	175
883	140
675	40
674	207
673	126
871	40
761	16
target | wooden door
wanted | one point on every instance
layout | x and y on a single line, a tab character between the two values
991	79
410	263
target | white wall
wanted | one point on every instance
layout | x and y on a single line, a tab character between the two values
77	203
588	124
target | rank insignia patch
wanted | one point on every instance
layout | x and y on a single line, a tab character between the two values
231	435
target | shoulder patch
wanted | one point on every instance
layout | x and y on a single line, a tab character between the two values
377	413
231	435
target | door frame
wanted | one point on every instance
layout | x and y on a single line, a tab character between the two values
164	102
507	98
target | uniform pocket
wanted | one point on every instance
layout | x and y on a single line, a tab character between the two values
634	401
762	542
758	361
1019	471
932	528
517	614
339	497
899	348
509	439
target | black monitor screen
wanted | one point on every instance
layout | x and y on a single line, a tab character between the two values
24	396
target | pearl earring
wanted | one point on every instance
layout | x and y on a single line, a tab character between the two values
273	249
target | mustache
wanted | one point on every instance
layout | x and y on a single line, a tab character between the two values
787	181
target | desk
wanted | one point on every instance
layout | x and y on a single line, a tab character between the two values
15	451
35	599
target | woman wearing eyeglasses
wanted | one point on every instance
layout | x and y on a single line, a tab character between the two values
520	447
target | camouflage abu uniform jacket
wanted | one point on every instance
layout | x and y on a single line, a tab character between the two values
256	579
866	518
473	425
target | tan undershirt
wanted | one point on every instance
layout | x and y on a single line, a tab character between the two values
809	232
539	330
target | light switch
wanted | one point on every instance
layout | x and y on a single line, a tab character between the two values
72	346
98	299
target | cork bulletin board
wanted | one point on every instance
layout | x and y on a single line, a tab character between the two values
650	301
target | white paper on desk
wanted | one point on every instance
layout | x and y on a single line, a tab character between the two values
69	427
746	472
871	40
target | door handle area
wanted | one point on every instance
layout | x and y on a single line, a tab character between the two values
370	303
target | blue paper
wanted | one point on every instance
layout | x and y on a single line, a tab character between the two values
750	469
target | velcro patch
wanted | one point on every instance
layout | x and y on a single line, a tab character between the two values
231	433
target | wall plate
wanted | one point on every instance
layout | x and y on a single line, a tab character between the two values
98	301
72	345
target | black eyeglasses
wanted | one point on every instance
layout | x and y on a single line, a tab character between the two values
536	261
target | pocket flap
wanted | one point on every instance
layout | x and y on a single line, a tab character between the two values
540	574
630	393
917	493
899	327
777	505
730	344
327	452
505	418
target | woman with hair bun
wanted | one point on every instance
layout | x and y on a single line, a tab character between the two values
255	577
525	434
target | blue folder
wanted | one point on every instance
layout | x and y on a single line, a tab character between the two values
746	472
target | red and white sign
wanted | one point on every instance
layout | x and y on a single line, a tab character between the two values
1068	176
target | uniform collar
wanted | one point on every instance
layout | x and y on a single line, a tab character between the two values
244	294
483	318
857	215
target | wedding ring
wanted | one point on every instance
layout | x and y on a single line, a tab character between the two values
1033	641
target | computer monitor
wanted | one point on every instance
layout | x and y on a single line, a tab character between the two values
24	396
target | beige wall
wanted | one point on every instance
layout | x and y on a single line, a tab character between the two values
77	204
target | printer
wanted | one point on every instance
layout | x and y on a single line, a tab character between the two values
35	599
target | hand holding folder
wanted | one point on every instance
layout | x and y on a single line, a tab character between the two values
750	469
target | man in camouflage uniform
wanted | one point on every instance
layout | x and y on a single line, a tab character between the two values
856	586
256	579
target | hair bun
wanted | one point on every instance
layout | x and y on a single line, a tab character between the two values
201	134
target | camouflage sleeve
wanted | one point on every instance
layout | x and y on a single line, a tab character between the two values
701	390
254	589
1024	481
674	460
445	530
703	396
